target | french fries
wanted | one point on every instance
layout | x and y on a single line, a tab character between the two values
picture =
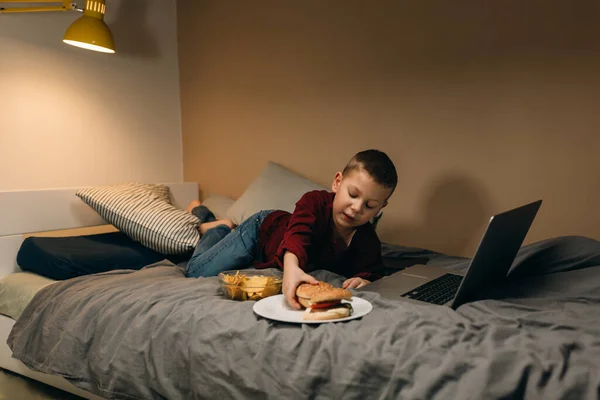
241	287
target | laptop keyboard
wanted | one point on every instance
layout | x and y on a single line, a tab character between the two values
438	291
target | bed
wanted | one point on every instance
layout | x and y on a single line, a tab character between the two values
154	334
62	214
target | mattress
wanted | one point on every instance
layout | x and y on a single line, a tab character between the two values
17	290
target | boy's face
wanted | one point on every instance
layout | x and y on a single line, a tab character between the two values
358	198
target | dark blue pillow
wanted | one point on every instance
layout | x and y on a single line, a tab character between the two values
67	257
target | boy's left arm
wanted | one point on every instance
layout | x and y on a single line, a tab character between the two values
361	279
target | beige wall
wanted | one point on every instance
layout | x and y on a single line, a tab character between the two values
71	117
482	105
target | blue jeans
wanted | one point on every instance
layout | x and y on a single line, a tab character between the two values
221	249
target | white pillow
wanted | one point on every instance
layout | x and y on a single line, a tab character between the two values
143	214
276	188
218	204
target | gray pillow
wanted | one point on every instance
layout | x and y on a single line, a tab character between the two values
275	188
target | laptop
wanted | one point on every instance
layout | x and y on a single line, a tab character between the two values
495	254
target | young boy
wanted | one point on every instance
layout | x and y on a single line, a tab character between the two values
327	230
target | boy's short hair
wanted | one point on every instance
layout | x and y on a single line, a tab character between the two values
377	164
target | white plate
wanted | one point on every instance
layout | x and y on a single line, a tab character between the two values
277	308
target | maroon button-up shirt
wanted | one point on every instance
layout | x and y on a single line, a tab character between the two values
310	234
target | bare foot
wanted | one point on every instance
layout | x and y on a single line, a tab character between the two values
192	205
209	225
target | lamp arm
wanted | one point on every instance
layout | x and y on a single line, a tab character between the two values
67	5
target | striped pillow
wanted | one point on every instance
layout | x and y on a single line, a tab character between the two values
161	191
144	213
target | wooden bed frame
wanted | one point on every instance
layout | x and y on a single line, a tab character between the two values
55	212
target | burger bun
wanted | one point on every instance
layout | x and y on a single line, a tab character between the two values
324	315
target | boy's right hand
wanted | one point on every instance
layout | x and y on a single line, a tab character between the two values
293	276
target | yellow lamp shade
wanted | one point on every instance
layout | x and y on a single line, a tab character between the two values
89	31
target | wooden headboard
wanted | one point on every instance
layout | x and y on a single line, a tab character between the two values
30	211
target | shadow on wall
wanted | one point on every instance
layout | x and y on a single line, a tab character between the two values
132	32
457	210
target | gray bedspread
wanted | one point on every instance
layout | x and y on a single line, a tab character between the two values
154	334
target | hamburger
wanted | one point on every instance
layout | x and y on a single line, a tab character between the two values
323	301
